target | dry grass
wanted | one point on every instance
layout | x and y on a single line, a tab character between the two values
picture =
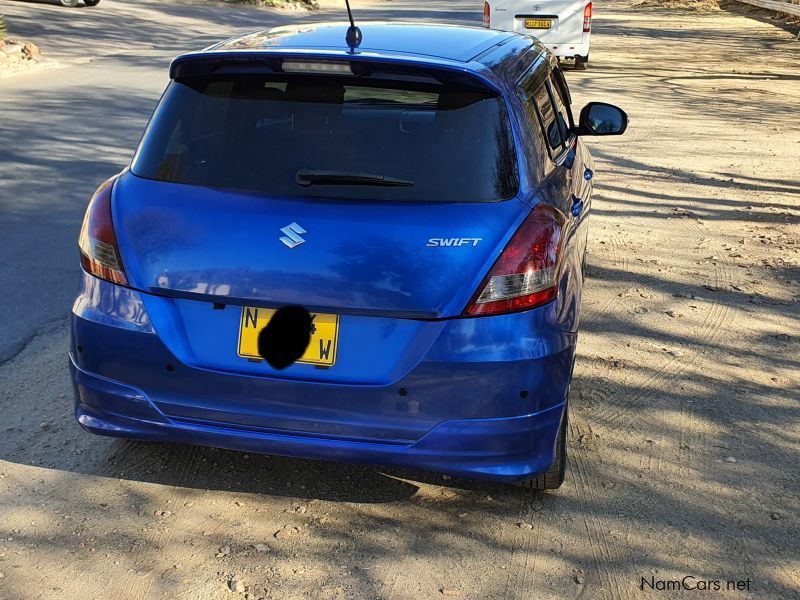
309	4
785	21
680	4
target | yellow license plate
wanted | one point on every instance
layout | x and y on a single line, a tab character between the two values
538	23
324	336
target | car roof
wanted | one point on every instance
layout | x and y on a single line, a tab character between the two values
450	43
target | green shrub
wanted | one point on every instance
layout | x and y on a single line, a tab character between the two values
2	27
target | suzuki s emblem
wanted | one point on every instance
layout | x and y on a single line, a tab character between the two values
292	237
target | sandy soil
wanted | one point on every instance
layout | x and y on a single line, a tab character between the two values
684	418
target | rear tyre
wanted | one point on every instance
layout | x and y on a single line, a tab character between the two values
554	476
69	3
581	62
91	2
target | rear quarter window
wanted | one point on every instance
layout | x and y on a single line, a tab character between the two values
549	118
546	111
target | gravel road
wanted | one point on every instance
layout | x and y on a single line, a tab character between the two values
685	425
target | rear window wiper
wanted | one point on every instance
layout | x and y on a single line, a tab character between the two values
308	177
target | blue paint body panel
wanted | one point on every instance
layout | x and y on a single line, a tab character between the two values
462	409
360	257
415	383
452	43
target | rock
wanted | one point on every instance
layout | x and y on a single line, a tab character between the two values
446	478
224	551
13	49
301	510
523	525
449	592
463	515
775	516
283	533
730	459
31	51
45	426
580	579
236	585
261	547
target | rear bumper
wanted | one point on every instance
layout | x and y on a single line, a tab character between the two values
502	449
480	397
565	41
569	50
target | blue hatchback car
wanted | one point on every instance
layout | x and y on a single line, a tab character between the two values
370	254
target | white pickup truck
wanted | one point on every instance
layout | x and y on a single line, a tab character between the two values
563	26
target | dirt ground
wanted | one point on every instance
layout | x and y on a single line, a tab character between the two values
685	425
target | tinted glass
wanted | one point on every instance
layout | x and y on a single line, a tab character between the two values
561	111
255	133
551	126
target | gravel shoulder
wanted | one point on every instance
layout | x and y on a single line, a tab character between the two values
685	426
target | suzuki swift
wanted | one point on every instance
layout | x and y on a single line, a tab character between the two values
364	253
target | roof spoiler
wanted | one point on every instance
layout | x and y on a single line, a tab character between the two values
204	64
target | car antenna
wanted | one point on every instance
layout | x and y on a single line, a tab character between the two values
354	35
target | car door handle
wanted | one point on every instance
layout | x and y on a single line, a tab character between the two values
577	206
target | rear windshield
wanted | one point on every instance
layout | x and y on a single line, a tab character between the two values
332	137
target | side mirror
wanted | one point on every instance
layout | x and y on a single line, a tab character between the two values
599	118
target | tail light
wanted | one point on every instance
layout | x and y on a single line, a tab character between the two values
99	252
526	274
587	18
487	13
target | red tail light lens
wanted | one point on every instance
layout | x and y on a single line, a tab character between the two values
99	253
587	18
487	12
526	274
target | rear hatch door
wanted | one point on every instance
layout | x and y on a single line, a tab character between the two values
409	260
